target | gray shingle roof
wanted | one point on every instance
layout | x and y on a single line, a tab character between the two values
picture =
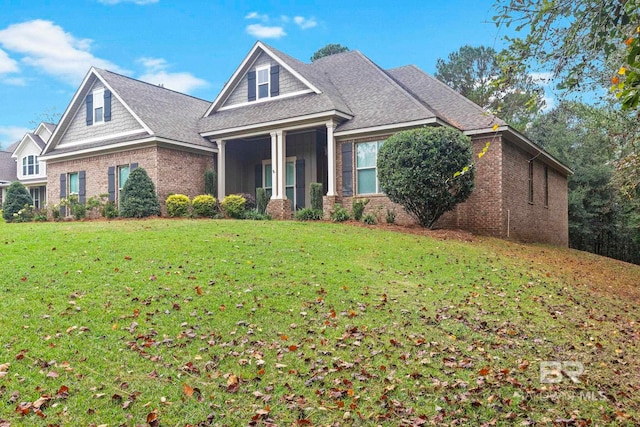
449	104
8	169
39	141
169	114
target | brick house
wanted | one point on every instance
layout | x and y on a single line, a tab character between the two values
281	124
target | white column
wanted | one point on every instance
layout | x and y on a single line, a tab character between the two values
221	169
274	165
331	159
282	165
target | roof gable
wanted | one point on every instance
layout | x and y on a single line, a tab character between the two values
260	51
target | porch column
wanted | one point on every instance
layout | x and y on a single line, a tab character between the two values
331	159
282	164
221	169
274	166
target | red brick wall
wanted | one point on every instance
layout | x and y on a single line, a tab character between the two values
172	171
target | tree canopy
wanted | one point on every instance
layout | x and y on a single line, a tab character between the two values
330	49
16	199
585	44
419	169
138	198
474	72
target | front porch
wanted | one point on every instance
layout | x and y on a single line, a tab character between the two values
283	161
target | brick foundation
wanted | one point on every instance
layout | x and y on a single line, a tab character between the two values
280	209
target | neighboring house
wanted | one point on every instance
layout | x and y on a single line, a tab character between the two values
8	172
21	162
281	124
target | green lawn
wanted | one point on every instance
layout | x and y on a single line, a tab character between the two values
199	323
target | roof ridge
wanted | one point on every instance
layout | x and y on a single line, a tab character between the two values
149	84
393	81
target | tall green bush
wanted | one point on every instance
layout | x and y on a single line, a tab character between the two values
177	205
17	198
418	169
210	182
262	200
138	197
315	194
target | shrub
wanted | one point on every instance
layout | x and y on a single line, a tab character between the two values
40	215
262	200
339	214
391	216
210	182
315	194
250	201
138	197
178	205
17	197
308	214
255	215
25	214
233	205
109	210
357	209
369	219
204	205
421	170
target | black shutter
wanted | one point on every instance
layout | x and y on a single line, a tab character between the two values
251	81
258	178
300	184
111	179
107	105
347	170
89	109
63	192
275	80
82	186
132	167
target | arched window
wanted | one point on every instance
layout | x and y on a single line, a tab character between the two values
30	165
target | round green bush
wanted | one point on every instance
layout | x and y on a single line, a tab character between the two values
422	170
17	198
233	206
204	205
177	205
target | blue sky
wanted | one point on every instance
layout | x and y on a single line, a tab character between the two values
47	47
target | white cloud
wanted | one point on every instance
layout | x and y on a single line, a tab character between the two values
305	23
14	81
264	32
156	73
48	48
11	134
7	65
258	16
139	2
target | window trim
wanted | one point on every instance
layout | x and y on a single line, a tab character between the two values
267	83
32	162
375	168
69	175
119	184
98	104
269	190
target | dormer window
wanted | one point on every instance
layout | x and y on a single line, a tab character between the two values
30	165
263	82
98	106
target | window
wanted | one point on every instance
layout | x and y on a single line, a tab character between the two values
290	178
366	171
262	82
531	181
123	175
74	183
35	196
98	106
30	165
546	186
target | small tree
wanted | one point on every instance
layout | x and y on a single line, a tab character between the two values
139	197
210	182
416	169
315	190
16	199
330	49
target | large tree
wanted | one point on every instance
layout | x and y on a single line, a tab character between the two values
579	41
330	49
475	73
420	170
